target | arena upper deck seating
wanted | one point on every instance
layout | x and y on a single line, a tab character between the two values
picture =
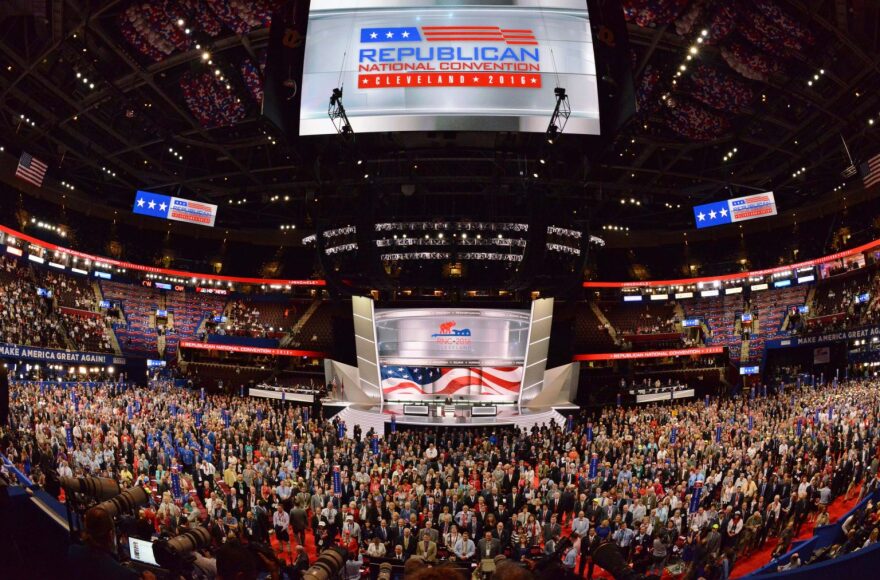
137	334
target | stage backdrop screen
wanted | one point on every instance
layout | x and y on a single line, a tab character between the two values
446	352
459	65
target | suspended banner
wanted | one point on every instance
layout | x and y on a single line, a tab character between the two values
251	349
58	356
174	208
650	354
735	210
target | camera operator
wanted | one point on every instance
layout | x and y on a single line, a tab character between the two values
301	563
95	558
237	562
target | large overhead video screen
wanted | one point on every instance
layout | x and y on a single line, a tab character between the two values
460	65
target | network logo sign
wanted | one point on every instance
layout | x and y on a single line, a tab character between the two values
735	210
448	56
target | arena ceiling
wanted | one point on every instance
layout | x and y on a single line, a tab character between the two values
768	100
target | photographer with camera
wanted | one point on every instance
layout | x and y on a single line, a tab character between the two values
96	557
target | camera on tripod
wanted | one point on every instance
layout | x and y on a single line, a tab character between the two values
84	493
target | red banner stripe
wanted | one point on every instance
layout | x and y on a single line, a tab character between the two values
650	354
427	28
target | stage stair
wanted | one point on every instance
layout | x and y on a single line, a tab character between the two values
366	419
527	421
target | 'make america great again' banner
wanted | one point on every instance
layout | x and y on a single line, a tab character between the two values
51	355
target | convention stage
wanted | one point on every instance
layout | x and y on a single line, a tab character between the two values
380	418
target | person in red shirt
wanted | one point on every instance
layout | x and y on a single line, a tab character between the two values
350	544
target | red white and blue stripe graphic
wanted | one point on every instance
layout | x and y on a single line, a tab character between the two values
416	381
511	36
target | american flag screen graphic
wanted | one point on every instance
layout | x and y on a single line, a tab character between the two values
407	383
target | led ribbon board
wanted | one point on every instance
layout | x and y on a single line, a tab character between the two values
426	65
739	209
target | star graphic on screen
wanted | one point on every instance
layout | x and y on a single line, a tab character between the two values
140	203
374	35
365	80
534	80
389	34
405	34
712	214
152	204
723	212
476	79
701	216
163	206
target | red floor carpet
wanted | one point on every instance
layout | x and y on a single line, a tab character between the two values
311	550
761	557
742	567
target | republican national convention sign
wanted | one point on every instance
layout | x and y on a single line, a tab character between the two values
174	208
464	337
52	355
423	65
739	209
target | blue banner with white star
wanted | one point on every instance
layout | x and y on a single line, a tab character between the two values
735	210
152	204
393	34
174	208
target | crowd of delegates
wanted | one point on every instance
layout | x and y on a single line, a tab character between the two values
25	317
697	484
846	300
68	290
244	320
88	333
